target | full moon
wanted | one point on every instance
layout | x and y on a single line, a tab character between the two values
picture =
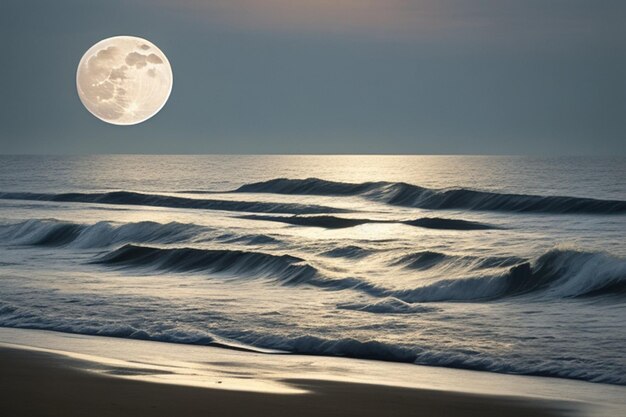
124	80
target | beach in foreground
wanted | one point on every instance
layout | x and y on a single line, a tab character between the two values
48	373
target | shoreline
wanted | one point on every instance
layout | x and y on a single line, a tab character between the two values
48	373
36	383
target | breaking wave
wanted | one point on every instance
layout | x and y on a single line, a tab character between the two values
285	268
428	259
101	234
452	358
403	194
255	341
104	233
556	274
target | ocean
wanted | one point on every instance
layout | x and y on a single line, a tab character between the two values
492	263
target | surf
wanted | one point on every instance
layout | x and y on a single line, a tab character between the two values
408	195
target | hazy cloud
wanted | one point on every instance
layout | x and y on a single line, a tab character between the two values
419	19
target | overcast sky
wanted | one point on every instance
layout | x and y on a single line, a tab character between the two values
328	76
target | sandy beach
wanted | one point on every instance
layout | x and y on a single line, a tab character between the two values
40	380
41	384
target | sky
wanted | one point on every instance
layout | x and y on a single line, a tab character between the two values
537	77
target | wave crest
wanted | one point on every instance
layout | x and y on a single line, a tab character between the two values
286	268
101	234
408	195
459	358
425	260
556	274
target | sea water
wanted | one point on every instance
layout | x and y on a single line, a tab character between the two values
502	264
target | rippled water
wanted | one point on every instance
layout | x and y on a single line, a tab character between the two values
504	264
